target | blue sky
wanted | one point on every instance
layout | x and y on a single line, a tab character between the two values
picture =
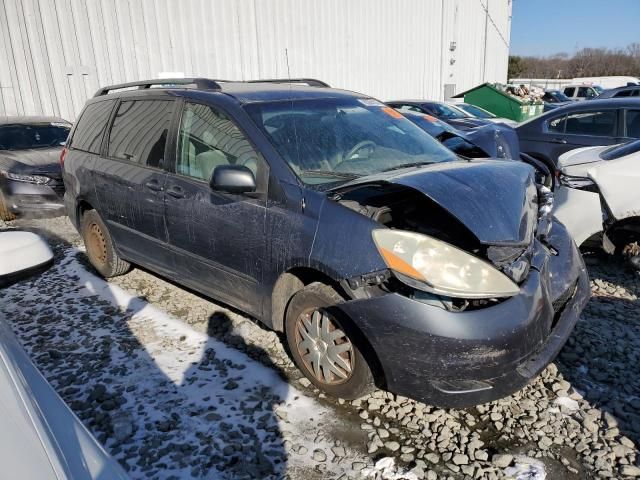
545	27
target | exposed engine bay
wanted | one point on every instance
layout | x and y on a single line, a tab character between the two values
401	207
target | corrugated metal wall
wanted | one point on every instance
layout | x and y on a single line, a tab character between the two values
55	53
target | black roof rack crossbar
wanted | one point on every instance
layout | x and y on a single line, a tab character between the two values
200	84
312	82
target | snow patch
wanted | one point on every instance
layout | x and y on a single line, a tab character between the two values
526	469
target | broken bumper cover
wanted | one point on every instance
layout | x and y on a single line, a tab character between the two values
459	359
35	200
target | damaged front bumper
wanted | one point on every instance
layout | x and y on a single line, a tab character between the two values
459	359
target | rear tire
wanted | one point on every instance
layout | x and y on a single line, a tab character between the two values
5	213
100	249
321	345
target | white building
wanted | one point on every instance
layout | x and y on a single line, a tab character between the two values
56	53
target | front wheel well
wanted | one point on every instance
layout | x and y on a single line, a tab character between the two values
288	284
294	280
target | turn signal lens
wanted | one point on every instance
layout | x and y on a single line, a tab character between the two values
435	266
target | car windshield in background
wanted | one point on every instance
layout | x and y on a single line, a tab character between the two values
618	151
598	89
26	136
333	140
476	111
446	111
558	96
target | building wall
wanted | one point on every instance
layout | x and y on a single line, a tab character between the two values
56	53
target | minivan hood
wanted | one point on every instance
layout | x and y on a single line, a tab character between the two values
31	161
495	199
580	156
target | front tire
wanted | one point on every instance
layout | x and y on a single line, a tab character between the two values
321	345
100	249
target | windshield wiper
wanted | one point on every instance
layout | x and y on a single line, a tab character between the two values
326	173
407	165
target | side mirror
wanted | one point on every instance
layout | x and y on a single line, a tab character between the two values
233	179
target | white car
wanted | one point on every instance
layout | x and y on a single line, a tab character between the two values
40	437
598	194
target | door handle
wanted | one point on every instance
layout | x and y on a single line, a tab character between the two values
175	192
558	140
153	185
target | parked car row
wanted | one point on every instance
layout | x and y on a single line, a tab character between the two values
401	245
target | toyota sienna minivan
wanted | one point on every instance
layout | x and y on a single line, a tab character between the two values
382	257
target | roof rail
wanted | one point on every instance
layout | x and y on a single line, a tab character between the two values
312	82
200	84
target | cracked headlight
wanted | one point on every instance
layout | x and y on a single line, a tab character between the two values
37	179
432	265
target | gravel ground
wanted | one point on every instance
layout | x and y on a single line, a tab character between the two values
579	419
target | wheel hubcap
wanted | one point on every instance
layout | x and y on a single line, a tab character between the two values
325	349
96	245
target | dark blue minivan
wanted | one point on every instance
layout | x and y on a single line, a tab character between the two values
382	256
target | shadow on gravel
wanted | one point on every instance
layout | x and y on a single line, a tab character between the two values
601	357
166	401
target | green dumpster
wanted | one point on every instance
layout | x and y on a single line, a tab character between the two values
500	103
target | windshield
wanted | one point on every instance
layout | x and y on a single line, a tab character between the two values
332	140
558	96
476	111
598	89
442	110
618	151
25	136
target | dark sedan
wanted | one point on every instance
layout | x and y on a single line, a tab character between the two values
580	124
30	174
442	111
621	92
489	141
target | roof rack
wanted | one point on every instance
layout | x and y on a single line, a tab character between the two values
203	83
199	83
312	82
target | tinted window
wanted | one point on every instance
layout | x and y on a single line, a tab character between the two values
623	93
636	93
632	123
556	125
91	127
207	139
569	91
601	124
24	136
139	131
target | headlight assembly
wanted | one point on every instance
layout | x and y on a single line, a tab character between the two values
432	265
580	183
37	179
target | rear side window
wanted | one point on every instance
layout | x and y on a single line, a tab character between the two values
139	131
569	91
91	127
599	124
623	93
